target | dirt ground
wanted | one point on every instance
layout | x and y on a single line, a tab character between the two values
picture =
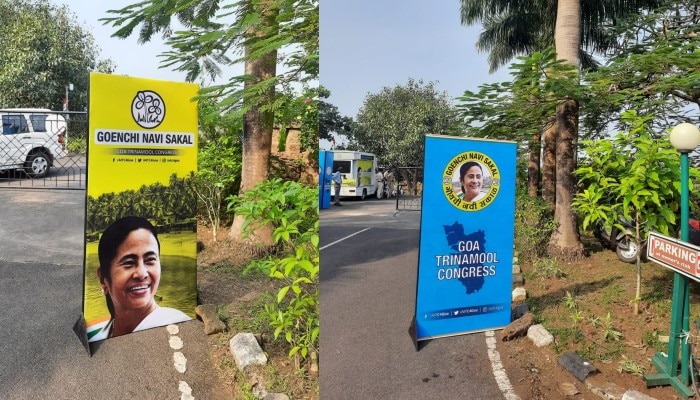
574	309
239	298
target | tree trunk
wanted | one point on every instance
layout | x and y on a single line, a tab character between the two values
565	242
533	166
257	124
549	166
567	31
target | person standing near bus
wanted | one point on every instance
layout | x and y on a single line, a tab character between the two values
337	181
380	182
389	182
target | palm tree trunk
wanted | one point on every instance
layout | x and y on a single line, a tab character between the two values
567	31
565	242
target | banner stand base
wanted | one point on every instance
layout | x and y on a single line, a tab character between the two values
412	332
80	331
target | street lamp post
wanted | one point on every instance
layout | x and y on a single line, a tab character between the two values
685	138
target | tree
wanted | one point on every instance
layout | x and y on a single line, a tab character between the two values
627	177
258	120
393	123
651	72
258	30
330	119
518	110
514	28
565	241
574	23
44	49
218	164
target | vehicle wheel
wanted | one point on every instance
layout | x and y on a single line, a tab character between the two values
364	194
37	165
627	250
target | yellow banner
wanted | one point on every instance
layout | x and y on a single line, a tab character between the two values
145	128
142	158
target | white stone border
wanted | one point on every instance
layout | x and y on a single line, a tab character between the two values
498	371
179	361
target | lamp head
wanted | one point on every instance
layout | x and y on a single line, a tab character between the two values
685	137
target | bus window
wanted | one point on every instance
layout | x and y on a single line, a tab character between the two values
344	166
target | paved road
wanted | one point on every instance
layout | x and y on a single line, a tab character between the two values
41	274
368	287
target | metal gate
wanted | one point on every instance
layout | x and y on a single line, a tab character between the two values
410	190
43	149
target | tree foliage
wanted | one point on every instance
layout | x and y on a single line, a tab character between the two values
627	178
393	123
292	209
654	71
44	49
330	120
215	35
218	164
518	109
514	28
578	28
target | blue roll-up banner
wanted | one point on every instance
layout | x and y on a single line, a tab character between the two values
325	173
465	263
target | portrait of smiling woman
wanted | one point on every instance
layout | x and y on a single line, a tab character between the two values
129	274
471	181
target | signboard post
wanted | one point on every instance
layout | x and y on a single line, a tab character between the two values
682	258
685	138
465	273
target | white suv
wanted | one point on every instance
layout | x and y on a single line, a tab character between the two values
31	139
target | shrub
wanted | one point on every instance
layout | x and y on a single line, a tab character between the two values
76	145
292	209
220	160
218	176
534	223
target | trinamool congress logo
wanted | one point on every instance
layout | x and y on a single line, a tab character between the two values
148	109
471	181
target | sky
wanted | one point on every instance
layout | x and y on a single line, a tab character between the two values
369	44
131	58
365	45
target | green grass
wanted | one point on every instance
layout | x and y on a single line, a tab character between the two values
630	367
651	339
547	268
612	294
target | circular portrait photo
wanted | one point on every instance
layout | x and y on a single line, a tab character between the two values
471	181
